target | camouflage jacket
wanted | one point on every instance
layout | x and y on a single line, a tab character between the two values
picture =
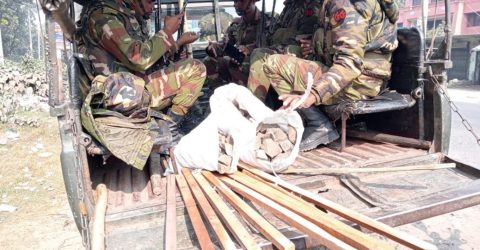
248	34
298	17
354	38
115	41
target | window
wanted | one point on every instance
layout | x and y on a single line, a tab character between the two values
200	19
416	2
399	25
473	19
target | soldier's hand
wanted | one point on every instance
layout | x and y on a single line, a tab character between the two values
289	100
187	38
306	45
212	49
54	5
245	50
172	23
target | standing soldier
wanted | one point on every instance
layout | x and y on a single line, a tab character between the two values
246	34
290	34
354	46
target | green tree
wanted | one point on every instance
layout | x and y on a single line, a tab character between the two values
18	28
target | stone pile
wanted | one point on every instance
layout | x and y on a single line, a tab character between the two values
21	91
273	143
225	154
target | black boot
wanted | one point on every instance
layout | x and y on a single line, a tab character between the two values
318	129
174	126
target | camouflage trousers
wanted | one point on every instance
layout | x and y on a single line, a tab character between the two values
288	74
178	85
221	71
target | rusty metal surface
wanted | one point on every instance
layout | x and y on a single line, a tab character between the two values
130	189
131	202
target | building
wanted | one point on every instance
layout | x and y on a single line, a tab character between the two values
465	17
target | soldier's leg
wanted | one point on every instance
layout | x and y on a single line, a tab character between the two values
217	71
179	84
288	74
258	82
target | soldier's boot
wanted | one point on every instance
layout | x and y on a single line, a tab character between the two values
318	129
174	126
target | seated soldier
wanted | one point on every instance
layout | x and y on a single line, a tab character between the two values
115	36
354	46
291	34
244	33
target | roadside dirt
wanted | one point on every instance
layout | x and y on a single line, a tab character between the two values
31	181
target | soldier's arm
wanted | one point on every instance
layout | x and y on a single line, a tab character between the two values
134	54
349	38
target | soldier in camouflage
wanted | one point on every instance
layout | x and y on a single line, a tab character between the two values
114	35
246	34
292	31
116	39
354	46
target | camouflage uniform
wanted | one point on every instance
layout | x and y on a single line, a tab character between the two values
240	32
354	45
116	41
298	18
119	108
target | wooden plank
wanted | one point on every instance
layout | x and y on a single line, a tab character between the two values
346	213
380	137
155	173
247	212
208	212
347	170
171	214
233	223
286	215
194	214
336	228
98	228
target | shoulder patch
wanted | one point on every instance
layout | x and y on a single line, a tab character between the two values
309	12
340	15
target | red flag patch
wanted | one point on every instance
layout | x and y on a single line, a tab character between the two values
340	15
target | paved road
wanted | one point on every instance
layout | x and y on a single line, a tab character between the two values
462	144
457	230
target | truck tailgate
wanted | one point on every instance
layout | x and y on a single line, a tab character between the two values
135	216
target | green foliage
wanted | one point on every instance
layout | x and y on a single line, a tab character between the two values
29	64
14	23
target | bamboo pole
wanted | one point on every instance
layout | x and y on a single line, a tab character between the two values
315	171
98	228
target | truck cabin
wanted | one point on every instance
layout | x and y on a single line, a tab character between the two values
408	124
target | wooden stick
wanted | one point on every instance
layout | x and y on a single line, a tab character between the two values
334	227
236	227
171	214
194	214
286	215
260	223
208	212
380	137
314	171
346	213
155	173
98	228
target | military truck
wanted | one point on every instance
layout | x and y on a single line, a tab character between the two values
408	125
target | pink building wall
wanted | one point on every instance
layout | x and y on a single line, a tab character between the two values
409	14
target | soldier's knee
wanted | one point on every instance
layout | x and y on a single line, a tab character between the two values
200	66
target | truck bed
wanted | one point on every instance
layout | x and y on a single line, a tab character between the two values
133	209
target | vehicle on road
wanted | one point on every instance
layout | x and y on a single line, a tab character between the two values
409	125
